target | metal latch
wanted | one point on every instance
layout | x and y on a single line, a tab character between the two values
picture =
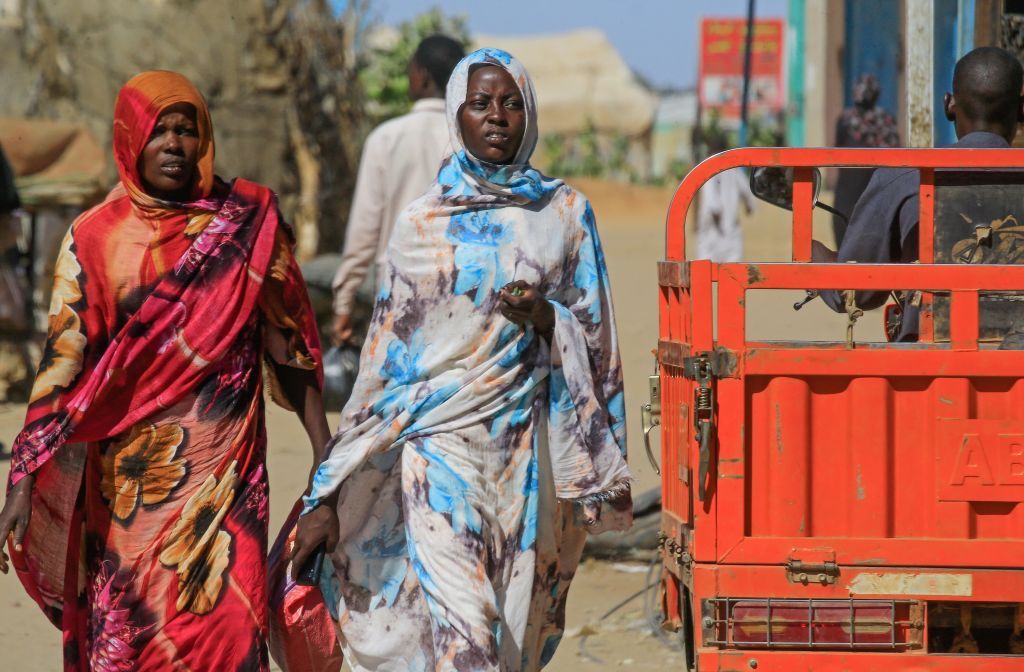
821	568
650	414
722	363
699	368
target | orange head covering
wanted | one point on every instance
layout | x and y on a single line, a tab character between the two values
138	107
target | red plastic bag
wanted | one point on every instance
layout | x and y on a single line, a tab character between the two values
302	633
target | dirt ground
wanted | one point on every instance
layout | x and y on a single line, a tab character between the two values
631	222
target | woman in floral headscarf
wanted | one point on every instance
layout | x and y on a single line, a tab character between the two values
142	461
863	124
485	436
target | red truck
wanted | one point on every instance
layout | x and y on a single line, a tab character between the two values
847	505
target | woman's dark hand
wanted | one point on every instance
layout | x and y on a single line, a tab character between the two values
15	516
521	303
319	526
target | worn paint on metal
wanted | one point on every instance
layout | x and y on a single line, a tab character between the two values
924	584
920	22
778	430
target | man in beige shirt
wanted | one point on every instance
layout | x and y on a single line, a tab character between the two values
400	160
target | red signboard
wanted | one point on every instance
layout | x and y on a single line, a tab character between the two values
722	45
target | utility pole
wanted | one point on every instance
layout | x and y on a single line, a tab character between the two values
747	54
920	23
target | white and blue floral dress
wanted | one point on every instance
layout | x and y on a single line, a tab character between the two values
474	456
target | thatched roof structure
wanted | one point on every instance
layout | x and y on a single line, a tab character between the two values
55	162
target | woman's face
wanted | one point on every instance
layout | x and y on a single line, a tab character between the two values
493	118
168	161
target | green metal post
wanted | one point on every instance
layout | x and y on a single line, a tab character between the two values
795	75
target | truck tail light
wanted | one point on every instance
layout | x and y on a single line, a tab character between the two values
791	623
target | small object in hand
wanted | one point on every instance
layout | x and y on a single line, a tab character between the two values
309	575
516	291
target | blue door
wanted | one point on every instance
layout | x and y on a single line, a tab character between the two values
873	46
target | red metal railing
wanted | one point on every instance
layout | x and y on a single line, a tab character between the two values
783	389
805	160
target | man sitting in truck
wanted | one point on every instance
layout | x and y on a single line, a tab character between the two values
985	106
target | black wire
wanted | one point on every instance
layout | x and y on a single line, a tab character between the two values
828	208
651	616
626	601
583	641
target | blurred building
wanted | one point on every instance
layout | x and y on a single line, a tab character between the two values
832	42
595	109
672	139
277	75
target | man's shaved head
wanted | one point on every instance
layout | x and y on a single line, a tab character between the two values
986	93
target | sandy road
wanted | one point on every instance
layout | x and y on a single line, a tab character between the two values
631	221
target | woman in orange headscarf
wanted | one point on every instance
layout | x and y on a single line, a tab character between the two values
137	500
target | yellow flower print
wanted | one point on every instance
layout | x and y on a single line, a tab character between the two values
66	289
142	466
62	356
198	547
65	344
201	579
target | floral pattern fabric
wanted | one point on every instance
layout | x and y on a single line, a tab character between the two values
145	431
473	456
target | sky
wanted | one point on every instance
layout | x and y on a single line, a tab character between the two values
657	38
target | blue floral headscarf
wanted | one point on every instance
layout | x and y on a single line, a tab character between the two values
465	180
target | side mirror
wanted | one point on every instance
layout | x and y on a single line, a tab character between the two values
774	184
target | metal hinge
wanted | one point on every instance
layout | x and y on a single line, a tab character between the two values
815	566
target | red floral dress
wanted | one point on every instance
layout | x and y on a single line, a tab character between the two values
145	429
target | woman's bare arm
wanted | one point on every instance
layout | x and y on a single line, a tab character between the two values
302	391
